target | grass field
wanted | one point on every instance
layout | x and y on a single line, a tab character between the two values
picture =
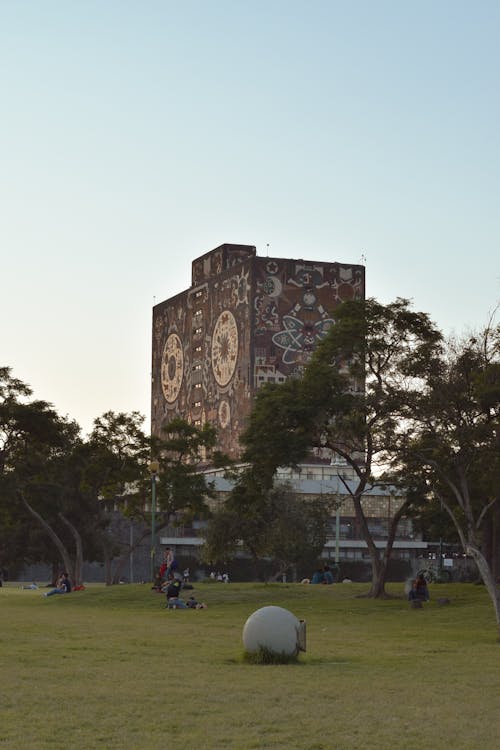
112	668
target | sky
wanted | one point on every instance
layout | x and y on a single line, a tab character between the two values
136	136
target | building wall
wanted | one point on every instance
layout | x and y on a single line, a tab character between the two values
293	302
245	321
202	352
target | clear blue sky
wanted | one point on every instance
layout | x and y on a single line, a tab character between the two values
135	136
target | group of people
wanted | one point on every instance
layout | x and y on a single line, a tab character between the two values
322	575
170	583
174	600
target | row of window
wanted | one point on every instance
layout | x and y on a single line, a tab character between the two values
272	379
364	555
379	528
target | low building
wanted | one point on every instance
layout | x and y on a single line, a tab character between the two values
345	544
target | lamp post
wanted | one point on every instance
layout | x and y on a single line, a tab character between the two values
337	534
153	470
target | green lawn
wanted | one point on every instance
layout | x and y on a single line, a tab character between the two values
111	668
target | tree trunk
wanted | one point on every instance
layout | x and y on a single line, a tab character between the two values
488	579
125	556
113	574
108	579
78	567
120	566
379	566
491	540
66	557
470	543
379	562
283	569
377	589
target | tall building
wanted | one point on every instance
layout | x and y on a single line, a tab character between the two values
244	321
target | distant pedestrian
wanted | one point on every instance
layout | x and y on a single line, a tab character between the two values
419	590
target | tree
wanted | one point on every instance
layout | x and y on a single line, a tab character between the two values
349	402
299	531
50	494
116	474
273	523
68	485
181	490
31	435
452	446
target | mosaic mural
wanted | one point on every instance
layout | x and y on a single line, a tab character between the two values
245	321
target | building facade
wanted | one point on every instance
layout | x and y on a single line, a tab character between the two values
245	320
344	543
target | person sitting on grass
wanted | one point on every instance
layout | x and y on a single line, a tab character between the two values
318	576
63	586
172	589
327	575
419	591
173	599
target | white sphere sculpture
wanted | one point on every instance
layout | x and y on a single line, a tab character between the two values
275	629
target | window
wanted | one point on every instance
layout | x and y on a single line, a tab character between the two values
197	385
199	294
197	404
197	348
197	367
198	331
198	313
197	422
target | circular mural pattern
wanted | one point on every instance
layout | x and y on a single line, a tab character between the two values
172	364
272	286
224	347
224	414
345	292
309	298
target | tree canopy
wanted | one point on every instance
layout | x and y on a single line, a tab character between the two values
58	489
452	446
268	523
349	403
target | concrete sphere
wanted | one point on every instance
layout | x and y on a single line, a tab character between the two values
273	628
